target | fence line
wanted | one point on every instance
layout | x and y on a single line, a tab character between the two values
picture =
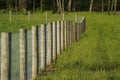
48	42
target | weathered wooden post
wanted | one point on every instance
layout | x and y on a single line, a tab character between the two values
65	33
71	23
28	16
54	38
77	25
73	31
70	32
5	56
81	25
58	37
78	31
84	24
46	17
34	52
10	16
49	44
43	47
62	38
23	54
76	18
63	16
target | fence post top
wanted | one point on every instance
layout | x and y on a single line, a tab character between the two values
42	25
34	26
3	33
22	29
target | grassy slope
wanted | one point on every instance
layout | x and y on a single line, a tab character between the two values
96	56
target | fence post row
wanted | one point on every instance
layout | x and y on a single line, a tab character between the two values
47	43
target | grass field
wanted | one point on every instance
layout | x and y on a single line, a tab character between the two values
20	20
95	57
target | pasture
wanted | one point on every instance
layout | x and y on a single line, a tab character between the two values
95	57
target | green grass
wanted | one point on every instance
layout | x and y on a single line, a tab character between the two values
20	20
95	57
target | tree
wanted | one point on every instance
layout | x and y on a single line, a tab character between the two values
59	5
23	5
115	6
112	5
63	6
102	6
16	5
33	5
91	5
108	6
41	5
8	4
74	7
69	5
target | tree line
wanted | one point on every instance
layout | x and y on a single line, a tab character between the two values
61	5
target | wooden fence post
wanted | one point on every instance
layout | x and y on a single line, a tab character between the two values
79	31
58	37
77	25
65	34
84	24
76	18
63	16
73	31
43	47
5	56
46	17
71	23
28	16
54	34
62	38
49	44
34	52
10	16
70	32
23	54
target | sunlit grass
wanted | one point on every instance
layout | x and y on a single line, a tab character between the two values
95	57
